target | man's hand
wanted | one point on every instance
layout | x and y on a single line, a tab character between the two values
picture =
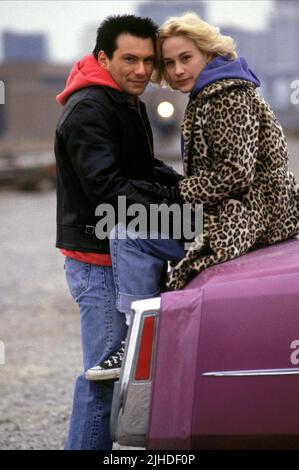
171	194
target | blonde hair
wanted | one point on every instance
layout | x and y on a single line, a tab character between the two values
206	37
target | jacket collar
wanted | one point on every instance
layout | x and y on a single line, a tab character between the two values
120	98
221	85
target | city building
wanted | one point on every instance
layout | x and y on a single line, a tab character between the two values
159	10
21	47
30	112
272	55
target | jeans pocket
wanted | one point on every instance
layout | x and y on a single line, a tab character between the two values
77	276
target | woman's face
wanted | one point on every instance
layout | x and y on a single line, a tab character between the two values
183	62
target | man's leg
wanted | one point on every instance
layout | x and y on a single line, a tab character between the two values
139	264
102	330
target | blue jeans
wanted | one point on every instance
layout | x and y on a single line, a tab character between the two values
102	330
139	265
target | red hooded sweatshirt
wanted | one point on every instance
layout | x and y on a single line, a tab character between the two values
86	72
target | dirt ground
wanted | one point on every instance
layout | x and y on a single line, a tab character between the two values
39	323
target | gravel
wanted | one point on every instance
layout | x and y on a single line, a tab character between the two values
39	326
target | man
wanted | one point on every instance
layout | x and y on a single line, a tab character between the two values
103	144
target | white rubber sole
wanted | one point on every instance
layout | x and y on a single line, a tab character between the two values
112	374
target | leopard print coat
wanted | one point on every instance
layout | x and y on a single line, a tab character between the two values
236	165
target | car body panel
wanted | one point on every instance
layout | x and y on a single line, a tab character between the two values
175	370
226	360
242	315
273	260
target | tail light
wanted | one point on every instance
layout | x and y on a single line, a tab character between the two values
145	353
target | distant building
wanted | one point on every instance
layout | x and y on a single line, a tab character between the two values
284	27
30	112
21	47
2	120
272	54
158	10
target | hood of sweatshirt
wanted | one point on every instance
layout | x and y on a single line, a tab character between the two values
222	68
86	72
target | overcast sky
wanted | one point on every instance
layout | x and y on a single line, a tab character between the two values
66	21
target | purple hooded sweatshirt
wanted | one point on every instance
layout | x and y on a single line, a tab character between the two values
221	68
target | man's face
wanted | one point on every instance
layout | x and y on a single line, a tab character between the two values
132	63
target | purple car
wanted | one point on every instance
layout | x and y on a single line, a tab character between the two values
216	365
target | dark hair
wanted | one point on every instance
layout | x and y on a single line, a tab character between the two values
113	26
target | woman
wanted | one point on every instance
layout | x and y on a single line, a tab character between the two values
235	164
235	153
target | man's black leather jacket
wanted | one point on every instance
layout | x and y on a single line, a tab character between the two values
103	143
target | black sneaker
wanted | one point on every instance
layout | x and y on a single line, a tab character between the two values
108	369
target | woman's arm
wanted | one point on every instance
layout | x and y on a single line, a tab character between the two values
233	138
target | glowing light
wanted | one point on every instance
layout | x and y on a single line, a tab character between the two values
165	109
